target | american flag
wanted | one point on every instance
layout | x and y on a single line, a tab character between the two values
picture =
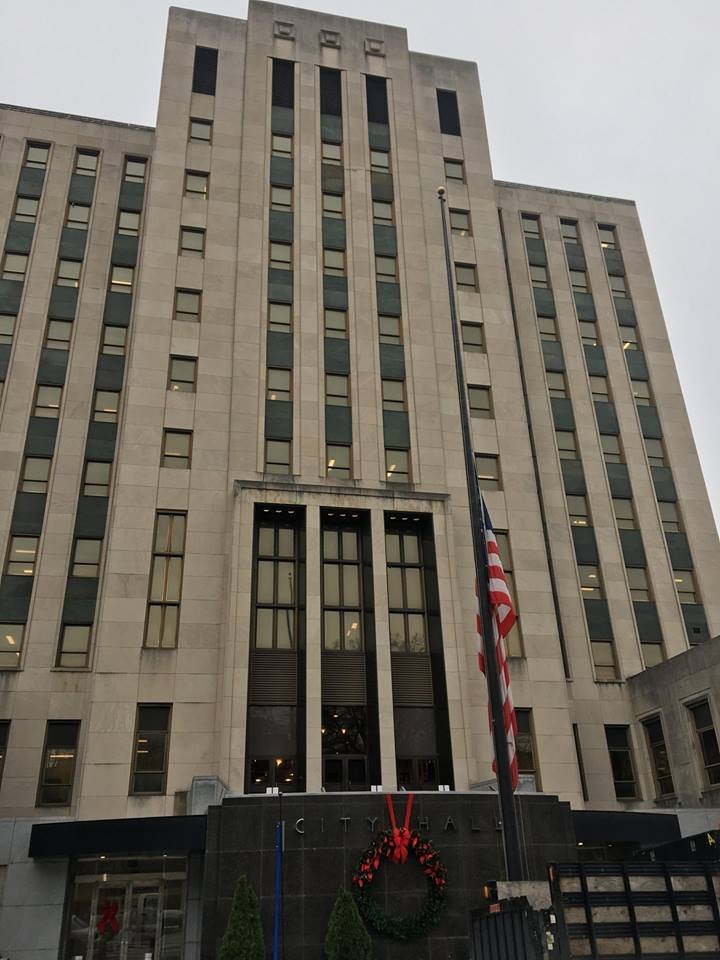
503	620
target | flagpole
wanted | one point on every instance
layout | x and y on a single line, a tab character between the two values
511	836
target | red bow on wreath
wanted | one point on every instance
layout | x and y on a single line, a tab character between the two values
398	850
109	921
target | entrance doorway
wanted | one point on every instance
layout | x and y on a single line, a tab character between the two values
116	916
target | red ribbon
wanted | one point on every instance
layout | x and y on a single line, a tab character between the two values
400	842
109	920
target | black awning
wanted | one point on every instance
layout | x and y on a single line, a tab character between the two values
134	835
620	826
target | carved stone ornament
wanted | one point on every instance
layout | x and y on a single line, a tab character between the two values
284	30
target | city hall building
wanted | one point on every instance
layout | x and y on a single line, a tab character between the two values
237	567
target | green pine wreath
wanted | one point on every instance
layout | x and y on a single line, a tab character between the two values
428	916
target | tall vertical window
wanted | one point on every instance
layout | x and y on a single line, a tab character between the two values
279	384
74	646
591	584
480	404
114	341
36	471
397	465
14	267
26	209
472	337
638	583
339	463
454	170
58	334
278	456
192	242
525	745
196	184
11	641
281	198
344	747
276	590
621	761
4	736
200	130
282	146
47	402
7	327
280	317
406	592
448	113
611	448
182	374
150	753
393	395
624	514
336	324
706	739
105	407
21	556
342	601
685	585
569	231
530	224
604	661
629	338
58	766
578	510
135	169
121	279
37	154
487	468
281	256
176	449
390	330
337	390
128	223
86	163
662	775
608	238
86	558
187	305
205	71
96	480
78	216
566	444
460	223
166	580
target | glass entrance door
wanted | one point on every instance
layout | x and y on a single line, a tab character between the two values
126	919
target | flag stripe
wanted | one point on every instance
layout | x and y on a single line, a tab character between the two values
503	619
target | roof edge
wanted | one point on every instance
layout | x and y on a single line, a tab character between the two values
565	193
75	116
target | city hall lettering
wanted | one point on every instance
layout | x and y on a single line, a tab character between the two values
374	824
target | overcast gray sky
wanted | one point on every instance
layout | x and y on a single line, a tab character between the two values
617	98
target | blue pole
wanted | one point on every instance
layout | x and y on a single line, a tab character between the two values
278	892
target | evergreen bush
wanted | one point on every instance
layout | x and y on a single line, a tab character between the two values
243	938
346	937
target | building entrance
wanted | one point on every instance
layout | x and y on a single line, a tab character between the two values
116	915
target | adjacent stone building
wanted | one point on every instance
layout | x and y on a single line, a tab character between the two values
232	492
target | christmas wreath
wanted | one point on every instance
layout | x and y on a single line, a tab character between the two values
396	845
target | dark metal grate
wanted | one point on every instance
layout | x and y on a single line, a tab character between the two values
343	678
273	677
412	680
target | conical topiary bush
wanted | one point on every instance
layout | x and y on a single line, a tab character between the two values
346	937
243	938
